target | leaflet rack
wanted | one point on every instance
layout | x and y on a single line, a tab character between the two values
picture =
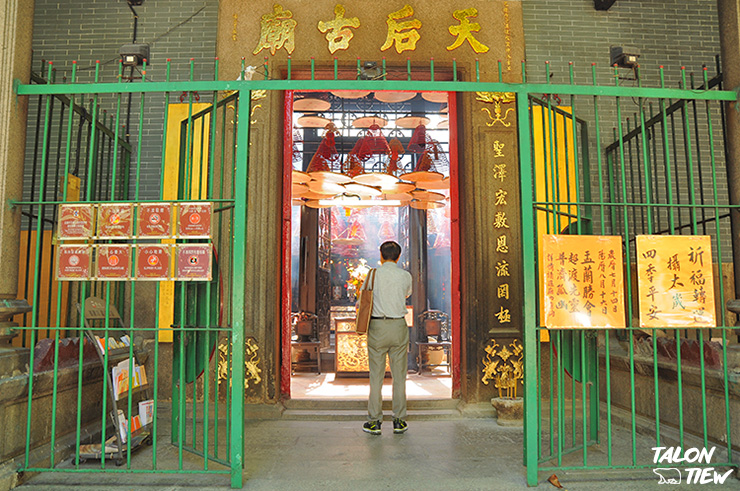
115	446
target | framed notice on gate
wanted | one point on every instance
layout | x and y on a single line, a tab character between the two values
154	220
675	281
115	220
193	262
113	262
75	222
153	262
74	262
194	220
582	278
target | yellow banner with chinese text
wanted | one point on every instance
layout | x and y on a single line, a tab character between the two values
582	276
675	281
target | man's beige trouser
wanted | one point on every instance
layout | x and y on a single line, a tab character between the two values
387	336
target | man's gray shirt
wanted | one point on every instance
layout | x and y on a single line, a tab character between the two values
392	287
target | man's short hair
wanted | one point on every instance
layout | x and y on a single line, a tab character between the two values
390	250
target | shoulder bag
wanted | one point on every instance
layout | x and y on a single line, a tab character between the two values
365	304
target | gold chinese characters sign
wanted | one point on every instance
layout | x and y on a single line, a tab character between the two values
451	28
675	281
583	281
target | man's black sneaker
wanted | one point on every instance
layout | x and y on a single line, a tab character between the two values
399	425
373	427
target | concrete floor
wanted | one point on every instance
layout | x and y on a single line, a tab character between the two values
435	454
431	385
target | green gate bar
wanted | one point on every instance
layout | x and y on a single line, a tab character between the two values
642	201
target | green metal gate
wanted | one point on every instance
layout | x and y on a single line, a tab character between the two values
592	396
569	407
207	386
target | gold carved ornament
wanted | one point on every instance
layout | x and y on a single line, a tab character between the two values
403	34
352	353
465	29
277	30
497	99
251	362
504	366
256	96
337	30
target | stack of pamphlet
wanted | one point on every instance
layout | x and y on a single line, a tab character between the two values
121	377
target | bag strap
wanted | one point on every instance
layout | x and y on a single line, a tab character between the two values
370	280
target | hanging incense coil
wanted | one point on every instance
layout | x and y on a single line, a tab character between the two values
423	176
391	96
381	179
353	165
418	141
350	94
371	144
314	195
428	166
314	203
424	171
325	161
438	97
300	177
423	195
312	121
374	142
298	189
411	121
369	121
311	105
399	187
443	184
426	205
325	187
396	151
404	197
361	190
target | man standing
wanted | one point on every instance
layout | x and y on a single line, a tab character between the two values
388	334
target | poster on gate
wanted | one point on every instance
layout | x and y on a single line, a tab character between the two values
74	262
194	220
75	222
154	220
153	262
115	220
675	281
582	276
113	262
193	262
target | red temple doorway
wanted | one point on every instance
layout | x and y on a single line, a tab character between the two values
362	168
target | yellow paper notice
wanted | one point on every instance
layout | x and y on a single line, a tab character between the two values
583	281
675	281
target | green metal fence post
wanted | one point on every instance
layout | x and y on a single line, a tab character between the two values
236	452
530	290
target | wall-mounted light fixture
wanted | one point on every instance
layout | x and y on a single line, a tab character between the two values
623	56
134	54
370	71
